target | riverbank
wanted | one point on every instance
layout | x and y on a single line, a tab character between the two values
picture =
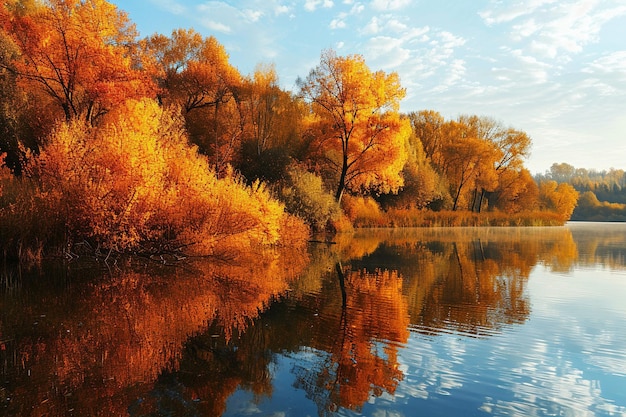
427	218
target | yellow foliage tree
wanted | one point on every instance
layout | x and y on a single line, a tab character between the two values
194	73
559	198
134	183
358	130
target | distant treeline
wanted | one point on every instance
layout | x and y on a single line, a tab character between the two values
602	193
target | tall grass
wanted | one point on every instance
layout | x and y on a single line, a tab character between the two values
426	218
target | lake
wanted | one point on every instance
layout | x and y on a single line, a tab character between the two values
390	322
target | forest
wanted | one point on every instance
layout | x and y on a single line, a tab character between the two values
114	143
602	193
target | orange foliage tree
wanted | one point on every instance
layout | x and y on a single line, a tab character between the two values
80	53
272	126
469	161
559	198
517	191
360	135
475	155
134	181
194	72
428	128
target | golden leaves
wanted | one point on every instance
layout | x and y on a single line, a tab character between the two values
359	132
134	180
81	54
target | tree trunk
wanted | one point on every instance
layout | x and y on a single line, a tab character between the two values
217	137
342	180
456	198
481	199
342	284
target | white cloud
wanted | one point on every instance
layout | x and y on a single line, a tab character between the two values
388	51
281	9
389	24
312	5
450	41
614	62
372	27
387	5
252	15
337	24
357	8
215	26
555	29
503	12
528	69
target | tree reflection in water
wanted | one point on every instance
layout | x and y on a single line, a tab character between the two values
182	341
360	334
92	347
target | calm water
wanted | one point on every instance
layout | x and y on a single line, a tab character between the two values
432	322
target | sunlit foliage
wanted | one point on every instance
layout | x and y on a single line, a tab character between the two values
480	159
363	211
195	73
135	181
603	193
357	129
559	198
80	53
116	170
590	208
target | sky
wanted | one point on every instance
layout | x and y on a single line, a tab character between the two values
555	69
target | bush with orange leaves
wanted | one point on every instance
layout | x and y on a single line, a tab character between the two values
363	211
135	183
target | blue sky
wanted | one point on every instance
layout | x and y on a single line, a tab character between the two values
555	69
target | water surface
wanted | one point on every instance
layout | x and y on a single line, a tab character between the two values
434	322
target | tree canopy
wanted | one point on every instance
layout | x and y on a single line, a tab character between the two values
358	130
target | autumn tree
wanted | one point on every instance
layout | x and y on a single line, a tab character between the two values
423	186
81	53
13	104
263	105
559	198
133	182
472	153
466	160
510	147
194	73
428	128
562	172
358	131
517	191
273	125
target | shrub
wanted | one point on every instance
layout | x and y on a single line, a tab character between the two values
363	211
448	218
305	196
134	183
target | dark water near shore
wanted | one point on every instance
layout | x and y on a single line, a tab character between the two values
433	322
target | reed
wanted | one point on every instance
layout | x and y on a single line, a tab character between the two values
425	218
